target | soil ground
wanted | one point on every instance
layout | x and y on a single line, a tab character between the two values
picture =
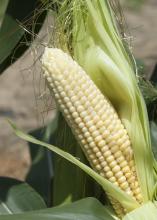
18	102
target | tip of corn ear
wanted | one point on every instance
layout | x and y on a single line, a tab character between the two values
54	55
57	64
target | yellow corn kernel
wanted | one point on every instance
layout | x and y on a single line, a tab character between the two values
93	121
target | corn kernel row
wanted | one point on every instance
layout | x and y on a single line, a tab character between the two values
94	122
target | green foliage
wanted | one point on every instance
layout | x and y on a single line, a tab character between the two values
10	34
41	158
88	208
54	178
3	7
18	19
49	184
18	197
19	201
145	212
125	199
97	46
77	184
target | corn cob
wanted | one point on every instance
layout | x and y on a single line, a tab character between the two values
93	121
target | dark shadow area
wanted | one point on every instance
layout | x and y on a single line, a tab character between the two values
30	16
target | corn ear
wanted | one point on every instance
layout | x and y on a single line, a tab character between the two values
95	43
94	123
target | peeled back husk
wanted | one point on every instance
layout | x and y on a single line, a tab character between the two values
145	212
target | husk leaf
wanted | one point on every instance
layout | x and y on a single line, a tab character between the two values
98	48
145	212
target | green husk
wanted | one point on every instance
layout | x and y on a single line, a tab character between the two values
91	36
145	212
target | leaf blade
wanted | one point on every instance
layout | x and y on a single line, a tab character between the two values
84	209
126	200
17	196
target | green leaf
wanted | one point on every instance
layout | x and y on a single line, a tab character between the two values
144	212
78	184
21	23
3	7
10	34
126	200
84	209
40	180
42	158
17	197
